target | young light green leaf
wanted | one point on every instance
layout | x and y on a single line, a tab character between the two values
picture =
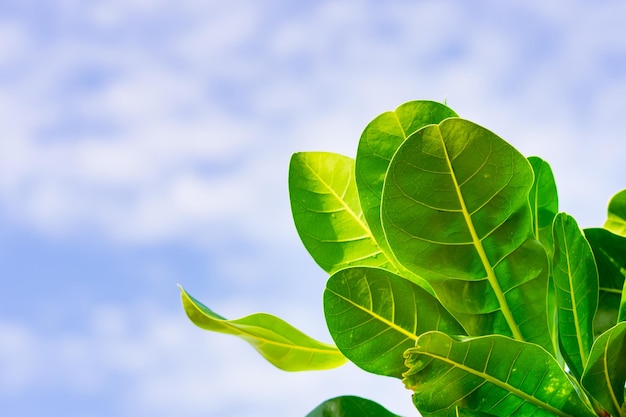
456	212
350	406
605	373
374	316
576	283
544	202
281	344
492	374
327	212
379	141
609	251
616	219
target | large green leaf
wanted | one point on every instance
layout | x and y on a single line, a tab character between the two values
616	219
374	316
350	406
605	374
327	212
492	374
277	341
456	212
576	283
609	251
544	202
379	141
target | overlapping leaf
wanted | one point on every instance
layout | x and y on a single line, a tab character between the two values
605	374
616	219
576	283
374	316
327	212
455	211
350	406
281	344
544	202
609	251
492	374
379	141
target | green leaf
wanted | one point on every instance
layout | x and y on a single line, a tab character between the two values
609	251
605	374
492	374
350	406
616	219
464	412
280	343
544	202
379	141
374	316
456	212
622	306
327	212
576	283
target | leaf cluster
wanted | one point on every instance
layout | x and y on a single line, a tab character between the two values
452	269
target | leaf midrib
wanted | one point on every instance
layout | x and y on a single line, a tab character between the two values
240	332
502	384
376	316
491	275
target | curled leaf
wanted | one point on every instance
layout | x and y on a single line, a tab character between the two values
277	341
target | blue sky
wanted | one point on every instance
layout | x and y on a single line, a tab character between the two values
146	143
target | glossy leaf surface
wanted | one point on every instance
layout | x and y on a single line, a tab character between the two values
492	374
327	212
576	283
350	406
456	212
544	202
374	316
609	251
379	141
616	219
605	374
281	344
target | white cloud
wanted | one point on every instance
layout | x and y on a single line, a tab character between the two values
148	362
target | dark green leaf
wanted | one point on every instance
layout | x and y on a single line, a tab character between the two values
327	212
280	343
616	220
492	374
374	316
379	141
576	283
609	251
605	373
456	212
350	406
544	202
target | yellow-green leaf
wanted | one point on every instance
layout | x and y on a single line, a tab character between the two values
277	341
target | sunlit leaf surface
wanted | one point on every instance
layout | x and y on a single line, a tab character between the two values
280	343
374	316
327	212
616	219
455	211
379	141
491	374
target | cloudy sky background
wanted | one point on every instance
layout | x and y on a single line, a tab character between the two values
146	143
